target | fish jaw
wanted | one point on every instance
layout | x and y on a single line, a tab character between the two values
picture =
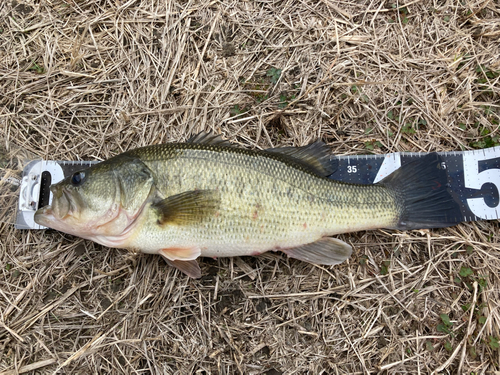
54	215
47	217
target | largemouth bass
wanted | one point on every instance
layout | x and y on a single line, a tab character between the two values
207	197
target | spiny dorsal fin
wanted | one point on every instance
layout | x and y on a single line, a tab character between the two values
209	138
188	207
315	156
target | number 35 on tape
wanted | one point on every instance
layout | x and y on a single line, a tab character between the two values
473	176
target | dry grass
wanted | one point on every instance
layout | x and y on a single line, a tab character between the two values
89	79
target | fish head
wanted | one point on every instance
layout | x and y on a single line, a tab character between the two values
100	202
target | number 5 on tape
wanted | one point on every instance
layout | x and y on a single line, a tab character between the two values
478	176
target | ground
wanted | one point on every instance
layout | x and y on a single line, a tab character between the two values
86	80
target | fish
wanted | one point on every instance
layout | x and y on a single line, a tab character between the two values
209	198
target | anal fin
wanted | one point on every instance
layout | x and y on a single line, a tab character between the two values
327	251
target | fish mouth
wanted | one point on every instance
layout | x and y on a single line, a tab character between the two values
61	206
45	216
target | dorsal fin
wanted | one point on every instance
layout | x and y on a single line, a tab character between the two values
209	138
315	157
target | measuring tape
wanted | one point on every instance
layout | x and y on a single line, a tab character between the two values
473	177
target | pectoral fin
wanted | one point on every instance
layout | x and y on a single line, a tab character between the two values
326	251
187	207
184	259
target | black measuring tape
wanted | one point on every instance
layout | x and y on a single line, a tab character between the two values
473	177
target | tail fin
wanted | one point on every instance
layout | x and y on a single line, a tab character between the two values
422	189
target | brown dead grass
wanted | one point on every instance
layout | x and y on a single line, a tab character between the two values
89	79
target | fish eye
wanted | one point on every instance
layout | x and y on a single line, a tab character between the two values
77	178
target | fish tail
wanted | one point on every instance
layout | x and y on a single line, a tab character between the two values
423	195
